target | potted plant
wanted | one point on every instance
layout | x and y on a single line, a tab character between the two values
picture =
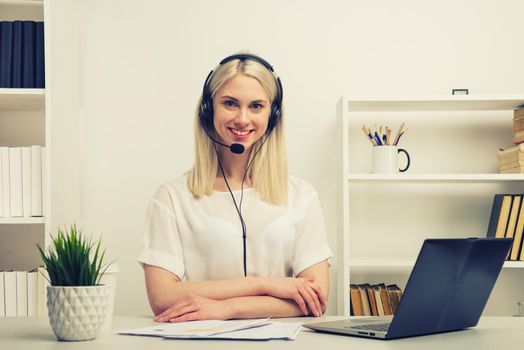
77	303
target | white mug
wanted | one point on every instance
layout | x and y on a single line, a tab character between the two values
385	159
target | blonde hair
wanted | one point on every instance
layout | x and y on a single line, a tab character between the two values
268	170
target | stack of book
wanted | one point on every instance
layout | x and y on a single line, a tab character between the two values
507	221
22	54
23	293
21	177
518	126
511	160
374	300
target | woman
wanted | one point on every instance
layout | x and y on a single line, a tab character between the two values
236	237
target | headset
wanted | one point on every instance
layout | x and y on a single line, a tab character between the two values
206	113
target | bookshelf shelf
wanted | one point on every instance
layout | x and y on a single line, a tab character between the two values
22	2
410	263
381	263
355	177
434	103
36	220
22	99
453	140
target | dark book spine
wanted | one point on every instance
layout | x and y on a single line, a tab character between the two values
39	56
6	53
28	55
16	73
495	213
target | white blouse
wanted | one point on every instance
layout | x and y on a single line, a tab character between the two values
201	239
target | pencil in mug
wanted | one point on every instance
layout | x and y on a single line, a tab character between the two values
399	136
395	142
368	134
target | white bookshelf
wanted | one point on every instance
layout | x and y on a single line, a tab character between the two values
452	189
25	121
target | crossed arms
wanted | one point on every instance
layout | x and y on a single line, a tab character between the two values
173	300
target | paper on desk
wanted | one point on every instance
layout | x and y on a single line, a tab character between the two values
271	330
195	329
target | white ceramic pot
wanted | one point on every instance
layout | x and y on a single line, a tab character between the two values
77	313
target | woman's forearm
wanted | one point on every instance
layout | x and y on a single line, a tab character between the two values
164	292
262	306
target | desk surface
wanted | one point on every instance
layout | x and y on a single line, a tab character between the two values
36	334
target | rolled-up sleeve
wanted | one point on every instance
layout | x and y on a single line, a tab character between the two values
311	244
162	244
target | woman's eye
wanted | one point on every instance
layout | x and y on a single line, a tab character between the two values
256	106
229	103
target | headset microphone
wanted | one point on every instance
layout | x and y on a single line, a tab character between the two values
236	148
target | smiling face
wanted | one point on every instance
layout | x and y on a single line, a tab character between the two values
241	111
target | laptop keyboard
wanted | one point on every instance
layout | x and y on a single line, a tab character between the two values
382	327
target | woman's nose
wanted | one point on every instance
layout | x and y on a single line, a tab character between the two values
242	116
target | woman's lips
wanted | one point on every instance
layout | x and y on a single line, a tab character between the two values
239	133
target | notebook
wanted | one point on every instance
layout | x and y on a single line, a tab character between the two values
447	290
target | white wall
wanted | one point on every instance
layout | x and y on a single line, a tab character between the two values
142	66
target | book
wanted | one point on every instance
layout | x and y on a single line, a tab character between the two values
32	293
16	71
512	222
44	182
372	301
512	164
15	182
6	53
39	56
521	254
356	300
378	299
2	293
1	187
365	300
518	113
21	293
515	170
36	180
518	137
4	155
499	215
394	295
42	283
517	240
28	54
10	293
511	154
26	181
518	125
385	299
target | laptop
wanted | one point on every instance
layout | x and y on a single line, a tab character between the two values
447	290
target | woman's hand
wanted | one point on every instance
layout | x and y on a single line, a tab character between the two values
303	290
195	307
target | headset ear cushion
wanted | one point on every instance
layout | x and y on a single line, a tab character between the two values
274	117
206	114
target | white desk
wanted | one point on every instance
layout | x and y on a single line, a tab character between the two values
36	334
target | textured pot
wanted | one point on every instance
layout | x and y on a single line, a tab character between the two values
77	313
